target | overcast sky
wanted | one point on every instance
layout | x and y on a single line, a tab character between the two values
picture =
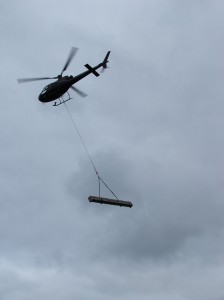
153	125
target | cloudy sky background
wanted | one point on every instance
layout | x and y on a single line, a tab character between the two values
153	124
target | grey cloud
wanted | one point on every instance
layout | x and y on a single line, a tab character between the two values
153	126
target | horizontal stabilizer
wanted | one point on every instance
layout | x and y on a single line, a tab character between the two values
110	201
92	70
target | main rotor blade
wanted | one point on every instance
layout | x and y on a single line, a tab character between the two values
82	94
21	80
70	57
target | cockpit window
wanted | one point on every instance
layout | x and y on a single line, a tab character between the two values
44	90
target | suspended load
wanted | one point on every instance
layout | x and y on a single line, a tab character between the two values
110	201
99	199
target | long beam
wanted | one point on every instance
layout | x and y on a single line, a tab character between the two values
110	201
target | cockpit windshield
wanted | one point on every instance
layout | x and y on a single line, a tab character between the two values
44	90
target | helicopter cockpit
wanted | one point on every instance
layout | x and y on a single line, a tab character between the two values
44	90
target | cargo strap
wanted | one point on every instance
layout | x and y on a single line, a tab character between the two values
87	152
100	180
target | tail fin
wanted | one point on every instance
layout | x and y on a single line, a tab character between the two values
105	61
102	64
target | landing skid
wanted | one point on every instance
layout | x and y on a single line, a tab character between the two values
61	100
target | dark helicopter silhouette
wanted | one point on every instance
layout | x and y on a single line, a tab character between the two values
57	89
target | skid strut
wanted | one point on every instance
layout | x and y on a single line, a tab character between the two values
61	100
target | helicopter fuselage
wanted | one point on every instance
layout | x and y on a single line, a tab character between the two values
58	88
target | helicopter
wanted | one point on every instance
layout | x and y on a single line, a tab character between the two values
57	89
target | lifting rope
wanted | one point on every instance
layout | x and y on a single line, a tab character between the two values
87	152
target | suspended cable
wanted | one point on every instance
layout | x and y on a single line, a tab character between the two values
100	179
87	152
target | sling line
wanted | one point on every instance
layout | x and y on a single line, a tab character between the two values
87	152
